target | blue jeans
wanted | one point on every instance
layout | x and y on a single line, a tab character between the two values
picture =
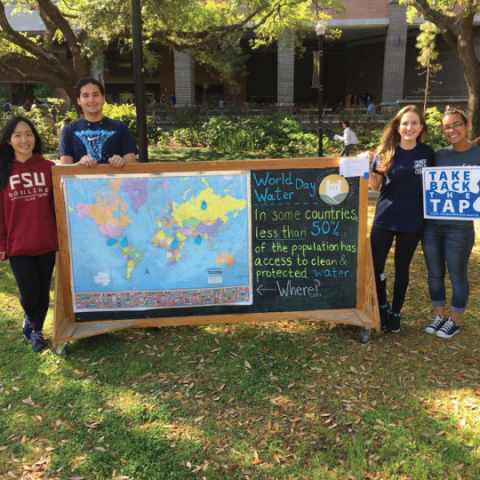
448	247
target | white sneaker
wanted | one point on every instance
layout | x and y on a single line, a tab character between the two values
448	330
436	325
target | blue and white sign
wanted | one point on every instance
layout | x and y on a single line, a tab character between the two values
451	192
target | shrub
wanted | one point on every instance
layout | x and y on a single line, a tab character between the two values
436	139
264	133
370	142
43	91
125	113
188	137
44	122
237	141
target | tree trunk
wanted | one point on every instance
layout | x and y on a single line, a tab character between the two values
427	86
471	68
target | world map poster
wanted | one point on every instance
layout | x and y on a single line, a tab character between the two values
149	241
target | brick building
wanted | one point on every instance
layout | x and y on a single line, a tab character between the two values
374	58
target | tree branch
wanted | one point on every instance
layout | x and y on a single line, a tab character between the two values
20	40
24	68
55	16
207	36
449	23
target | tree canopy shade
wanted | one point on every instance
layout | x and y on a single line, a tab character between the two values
454	18
210	29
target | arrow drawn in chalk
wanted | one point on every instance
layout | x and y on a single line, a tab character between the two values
260	290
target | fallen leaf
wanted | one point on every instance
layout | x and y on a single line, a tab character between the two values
29	401
100	449
199	419
247	364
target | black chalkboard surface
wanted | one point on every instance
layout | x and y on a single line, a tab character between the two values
308	252
304	243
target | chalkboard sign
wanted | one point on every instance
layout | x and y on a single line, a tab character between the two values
305	239
299	249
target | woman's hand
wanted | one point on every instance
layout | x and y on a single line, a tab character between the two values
375	180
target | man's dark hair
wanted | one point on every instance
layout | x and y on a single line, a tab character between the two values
346	122
86	81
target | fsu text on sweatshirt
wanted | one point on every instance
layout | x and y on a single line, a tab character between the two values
27	217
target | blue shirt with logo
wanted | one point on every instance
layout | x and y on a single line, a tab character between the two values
400	204
101	140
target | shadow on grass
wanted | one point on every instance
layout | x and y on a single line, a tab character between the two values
177	375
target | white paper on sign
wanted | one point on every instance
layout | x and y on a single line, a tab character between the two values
354	167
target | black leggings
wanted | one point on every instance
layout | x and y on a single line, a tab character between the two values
33	276
405	246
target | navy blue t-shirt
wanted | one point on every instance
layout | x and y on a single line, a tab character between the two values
400	205
101	140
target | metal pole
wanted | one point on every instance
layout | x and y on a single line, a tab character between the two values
139	81
320	95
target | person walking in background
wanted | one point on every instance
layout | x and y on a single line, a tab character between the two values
28	233
397	171
447	244
348	138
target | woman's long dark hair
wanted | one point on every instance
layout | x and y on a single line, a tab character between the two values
6	151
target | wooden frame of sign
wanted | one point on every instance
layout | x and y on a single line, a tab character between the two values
363	312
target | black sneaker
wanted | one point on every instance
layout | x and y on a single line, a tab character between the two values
27	328
449	329
384	313
436	325
393	322
38	343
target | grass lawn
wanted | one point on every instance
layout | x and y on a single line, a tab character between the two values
168	154
171	154
290	400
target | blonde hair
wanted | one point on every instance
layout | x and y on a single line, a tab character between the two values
391	138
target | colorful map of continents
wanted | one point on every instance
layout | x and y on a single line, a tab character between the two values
159	241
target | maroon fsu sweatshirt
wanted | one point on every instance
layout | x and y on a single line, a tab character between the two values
27	216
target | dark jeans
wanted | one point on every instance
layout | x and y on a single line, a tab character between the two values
405	246
33	276
345	151
448	247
